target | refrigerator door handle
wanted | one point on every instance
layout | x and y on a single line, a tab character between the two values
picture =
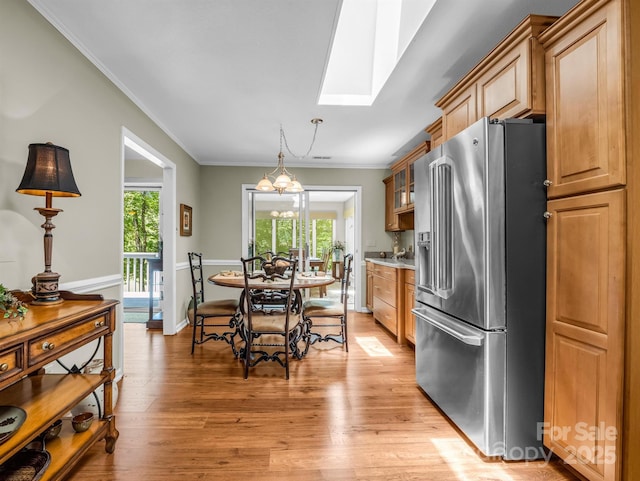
441	252
468	336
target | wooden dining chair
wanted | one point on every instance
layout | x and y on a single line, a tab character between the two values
328	313
326	259
298	254
269	298
269	330
210	317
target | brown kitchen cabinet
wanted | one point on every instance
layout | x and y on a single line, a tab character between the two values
26	346
370	286
394	221
435	132
391	219
400	191
390	292
388	299
585	331
400	188
508	83
587	246
631	434
409	303
585	101
459	111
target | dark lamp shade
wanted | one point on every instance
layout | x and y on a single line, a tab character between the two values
48	170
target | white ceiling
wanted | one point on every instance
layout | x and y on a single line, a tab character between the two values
221	76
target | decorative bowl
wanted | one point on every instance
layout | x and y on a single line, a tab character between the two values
82	421
52	431
271	269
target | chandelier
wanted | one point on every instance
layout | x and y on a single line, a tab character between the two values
280	179
285	214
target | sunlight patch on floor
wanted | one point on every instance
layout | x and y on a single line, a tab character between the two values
373	347
463	461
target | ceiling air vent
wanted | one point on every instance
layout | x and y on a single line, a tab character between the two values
321	157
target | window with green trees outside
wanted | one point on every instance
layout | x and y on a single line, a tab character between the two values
277	235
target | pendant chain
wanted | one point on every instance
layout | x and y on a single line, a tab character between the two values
313	140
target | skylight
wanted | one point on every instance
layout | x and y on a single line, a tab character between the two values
370	38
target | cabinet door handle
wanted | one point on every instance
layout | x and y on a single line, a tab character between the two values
547	215
547	183
99	323
4	367
48	346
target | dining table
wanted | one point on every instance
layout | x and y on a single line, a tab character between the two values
303	280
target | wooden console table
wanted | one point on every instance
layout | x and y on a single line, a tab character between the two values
44	335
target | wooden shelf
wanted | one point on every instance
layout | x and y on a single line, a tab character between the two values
45	334
70	446
45	399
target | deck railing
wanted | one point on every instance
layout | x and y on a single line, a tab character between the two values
136	272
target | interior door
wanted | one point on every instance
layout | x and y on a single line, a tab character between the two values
310	221
276	223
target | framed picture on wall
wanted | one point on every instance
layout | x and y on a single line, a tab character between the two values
186	220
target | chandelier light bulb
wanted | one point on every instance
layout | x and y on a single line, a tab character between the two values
265	185
282	182
295	186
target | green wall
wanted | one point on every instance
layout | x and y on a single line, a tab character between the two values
219	221
49	92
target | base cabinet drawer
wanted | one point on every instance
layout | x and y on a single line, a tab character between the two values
385	290
385	272
49	346
385	314
11	362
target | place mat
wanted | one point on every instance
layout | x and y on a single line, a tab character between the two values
230	274
312	275
26	465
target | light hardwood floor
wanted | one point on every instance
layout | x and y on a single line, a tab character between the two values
342	416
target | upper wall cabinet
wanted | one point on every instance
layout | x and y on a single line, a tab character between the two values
509	82
399	190
435	131
585	100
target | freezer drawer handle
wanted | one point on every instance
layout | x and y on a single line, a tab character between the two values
461	336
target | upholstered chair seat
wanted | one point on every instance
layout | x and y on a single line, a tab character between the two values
320	315
217	320
224	307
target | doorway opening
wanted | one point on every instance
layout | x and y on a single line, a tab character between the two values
308	224
142	263
149	176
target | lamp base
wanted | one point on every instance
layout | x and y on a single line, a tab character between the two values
45	289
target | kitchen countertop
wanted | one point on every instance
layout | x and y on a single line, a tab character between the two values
398	264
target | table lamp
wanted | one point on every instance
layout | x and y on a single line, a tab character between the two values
48	173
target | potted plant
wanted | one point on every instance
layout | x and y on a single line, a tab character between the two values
338	247
10	306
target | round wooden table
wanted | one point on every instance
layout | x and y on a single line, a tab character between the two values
301	281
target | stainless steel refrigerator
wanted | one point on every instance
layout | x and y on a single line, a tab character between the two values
480	283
